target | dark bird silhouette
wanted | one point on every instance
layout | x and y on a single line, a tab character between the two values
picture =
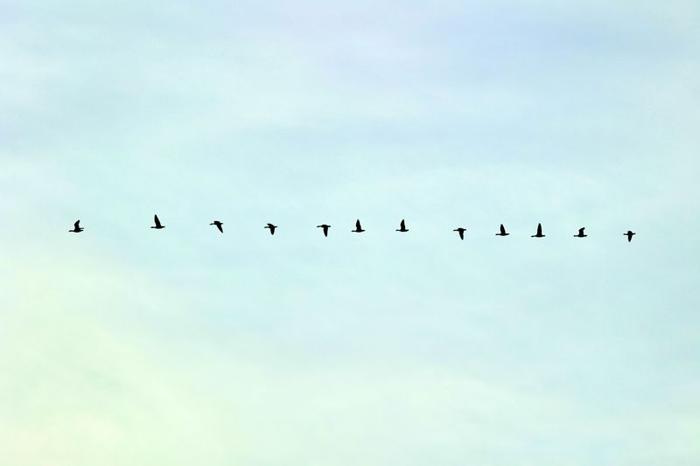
581	233
629	235
271	227
219	225
403	228
461	231
358	227
158	225
76	227
503	231
325	229
539	232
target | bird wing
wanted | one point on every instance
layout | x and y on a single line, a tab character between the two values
403	224
358	225
219	225
77	225
156	220
539	228
580	231
503	229
461	234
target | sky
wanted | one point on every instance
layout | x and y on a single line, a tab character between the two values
126	346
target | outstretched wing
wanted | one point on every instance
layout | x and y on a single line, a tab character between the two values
539	229
503	229
77	225
219	225
157	220
358	225
580	231
403	224
461	233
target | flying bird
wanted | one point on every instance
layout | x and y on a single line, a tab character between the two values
218	224
358	227
76	227
158	225
629	235
581	233
461	231
539	232
271	227
503	231
403	228
325	229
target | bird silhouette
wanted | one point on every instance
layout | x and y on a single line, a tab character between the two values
581	233
76	227
403	228
461	231
358	227
218	224
158	225
503	231
325	229
271	227
539	232
629	235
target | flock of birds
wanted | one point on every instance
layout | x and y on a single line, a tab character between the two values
358	229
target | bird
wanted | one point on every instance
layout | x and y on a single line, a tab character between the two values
629	235
461	231
76	227
325	229
503	231
158	225
358	227
271	227
218	224
403	228
581	234
539	232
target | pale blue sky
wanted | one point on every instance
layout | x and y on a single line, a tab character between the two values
127	346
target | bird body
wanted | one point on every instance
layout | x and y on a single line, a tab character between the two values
158	225
358	227
581	233
218	224
76	227
403	228
325	229
502	231
271	227
629	235
539	232
461	231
